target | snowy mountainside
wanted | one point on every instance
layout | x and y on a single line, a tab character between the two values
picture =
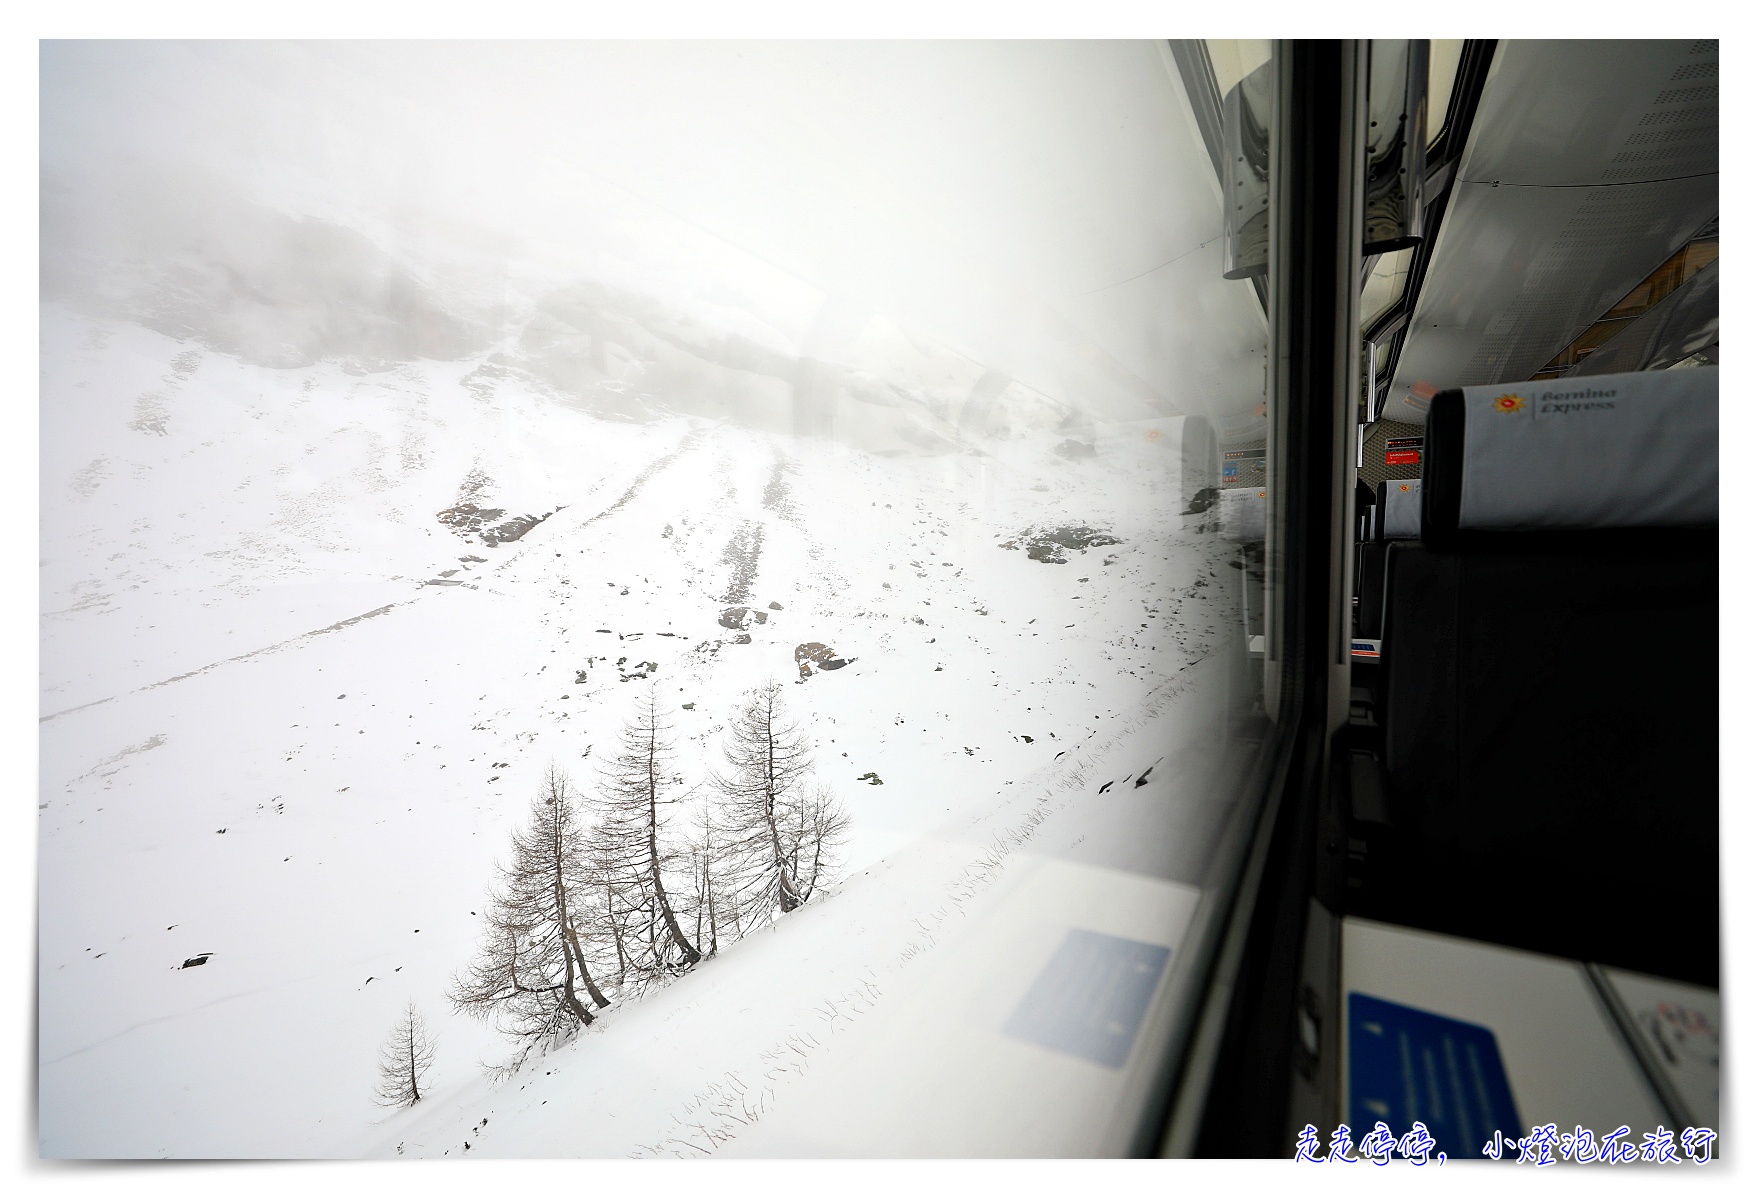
290	713
717	338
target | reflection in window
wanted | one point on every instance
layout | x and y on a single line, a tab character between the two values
1232	59
1443	66
1384	286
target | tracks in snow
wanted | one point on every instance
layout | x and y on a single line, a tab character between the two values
689	442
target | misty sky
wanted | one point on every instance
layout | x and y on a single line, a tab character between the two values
1045	208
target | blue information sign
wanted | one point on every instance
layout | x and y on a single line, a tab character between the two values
1091	997
1407	1064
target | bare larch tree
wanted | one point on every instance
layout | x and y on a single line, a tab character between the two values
710	904
818	832
531	975
632	851
403	1060
779	834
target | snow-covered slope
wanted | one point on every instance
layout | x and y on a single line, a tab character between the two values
297	689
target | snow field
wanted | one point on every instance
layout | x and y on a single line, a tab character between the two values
279	733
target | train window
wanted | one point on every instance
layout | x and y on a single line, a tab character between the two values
750	611
1385	285
1443	69
1232	59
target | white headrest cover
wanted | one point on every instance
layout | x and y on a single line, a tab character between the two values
1614	451
1242	513
1402	518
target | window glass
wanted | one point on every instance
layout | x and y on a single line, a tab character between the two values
723	581
1443	67
1384	286
1232	59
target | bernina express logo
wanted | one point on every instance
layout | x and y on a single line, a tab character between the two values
1403	486
1508	403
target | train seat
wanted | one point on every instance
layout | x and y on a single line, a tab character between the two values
1397	514
1399	510
1566	573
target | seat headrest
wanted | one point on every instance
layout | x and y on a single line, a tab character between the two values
1242	513
1399	510
1616	451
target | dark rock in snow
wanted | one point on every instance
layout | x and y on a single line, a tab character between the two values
192	962
822	656
1202	501
774	606
1048	545
736	618
513	529
467	520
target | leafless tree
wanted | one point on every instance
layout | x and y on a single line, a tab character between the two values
816	839
780	833
405	1058
633	853
531	975
711	905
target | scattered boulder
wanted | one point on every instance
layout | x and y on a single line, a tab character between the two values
1049	545
743	638
468	520
871	779
773	606
1076	449
192	962
736	618
816	654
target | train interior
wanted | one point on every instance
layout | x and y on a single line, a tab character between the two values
1519	844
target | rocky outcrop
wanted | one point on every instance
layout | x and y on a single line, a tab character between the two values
1049	545
815	655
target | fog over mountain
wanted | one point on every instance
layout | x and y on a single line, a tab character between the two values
912	227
